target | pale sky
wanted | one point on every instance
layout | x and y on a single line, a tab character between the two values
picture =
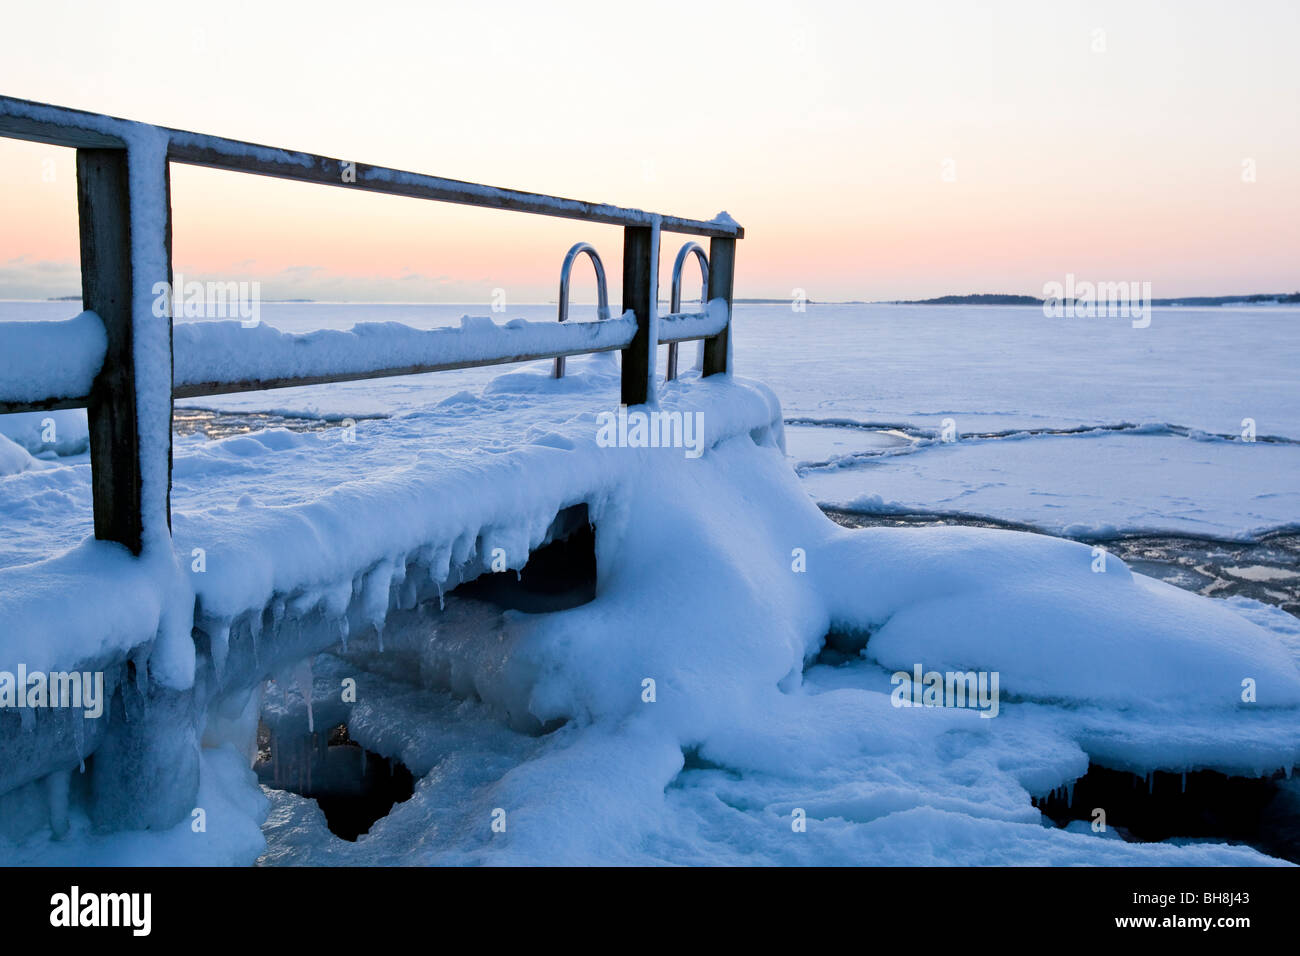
872	150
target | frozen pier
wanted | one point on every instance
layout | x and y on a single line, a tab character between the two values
213	568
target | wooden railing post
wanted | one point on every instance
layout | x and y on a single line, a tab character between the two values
103	203
640	272
722	269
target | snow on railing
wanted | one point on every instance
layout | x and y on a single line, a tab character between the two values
684	326
127	370
47	365
212	358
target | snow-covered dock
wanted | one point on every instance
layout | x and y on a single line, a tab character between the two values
285	543
118	359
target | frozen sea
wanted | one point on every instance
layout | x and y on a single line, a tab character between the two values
1086	427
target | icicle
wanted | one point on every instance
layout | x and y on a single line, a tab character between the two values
275	761
141	673
255	631
1069	794
1184	781
1287	770
220	644
79	740
376	595
302	674
379	630
519	574
1151	782
56	795
344	630
410	593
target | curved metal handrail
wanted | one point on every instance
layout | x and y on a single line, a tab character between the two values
602	290
676	302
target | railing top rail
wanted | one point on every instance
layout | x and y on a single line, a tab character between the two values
60	126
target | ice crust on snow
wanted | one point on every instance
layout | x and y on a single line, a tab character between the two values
1088	485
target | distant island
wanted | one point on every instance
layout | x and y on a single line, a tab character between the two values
980	299
1269	298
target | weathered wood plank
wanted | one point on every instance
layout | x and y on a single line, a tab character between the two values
43	405
722	268
18	126
171	351
306	167
43	123
103	197
640	267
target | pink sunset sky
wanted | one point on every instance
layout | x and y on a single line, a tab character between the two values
871	150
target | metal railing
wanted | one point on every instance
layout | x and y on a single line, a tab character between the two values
116	157
675	303
602	290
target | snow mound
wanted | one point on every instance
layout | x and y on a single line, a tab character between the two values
14	459
743	730
1059	620
48	434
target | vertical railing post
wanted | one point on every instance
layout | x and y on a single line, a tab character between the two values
103	204
171	350
722	268
146	768
640	275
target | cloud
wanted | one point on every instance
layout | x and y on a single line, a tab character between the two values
25	278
